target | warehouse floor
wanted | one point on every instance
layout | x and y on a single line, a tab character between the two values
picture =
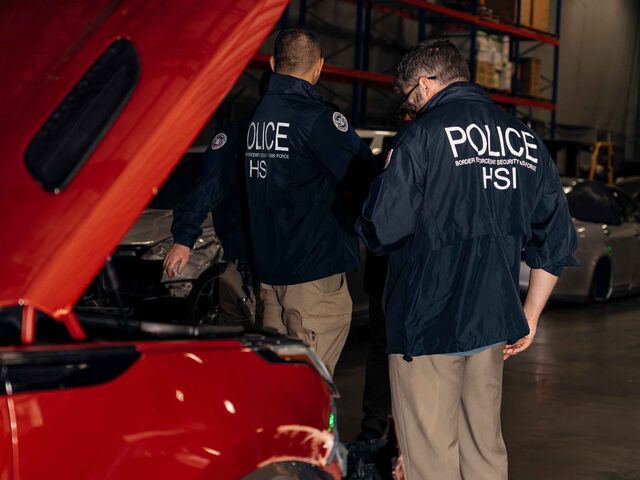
571	403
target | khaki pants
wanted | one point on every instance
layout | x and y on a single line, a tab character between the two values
318	313
447	415
230	293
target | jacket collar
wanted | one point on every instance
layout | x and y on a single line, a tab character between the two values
456	91
291	85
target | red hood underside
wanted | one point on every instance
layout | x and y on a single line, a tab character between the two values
191	53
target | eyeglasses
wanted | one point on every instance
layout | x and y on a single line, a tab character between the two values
406	97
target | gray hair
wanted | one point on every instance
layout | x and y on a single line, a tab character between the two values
436	58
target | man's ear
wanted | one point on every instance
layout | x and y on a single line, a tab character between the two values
430	84
318	70
272	61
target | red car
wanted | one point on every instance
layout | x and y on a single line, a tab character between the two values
100	99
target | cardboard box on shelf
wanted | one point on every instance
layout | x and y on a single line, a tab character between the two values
492	59
486	75
529	77
506	76
540	15
525	12
533	13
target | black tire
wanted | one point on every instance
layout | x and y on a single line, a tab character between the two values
600	290
203	302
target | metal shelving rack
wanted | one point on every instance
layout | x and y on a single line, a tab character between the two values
424	13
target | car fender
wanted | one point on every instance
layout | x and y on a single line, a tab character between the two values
575	282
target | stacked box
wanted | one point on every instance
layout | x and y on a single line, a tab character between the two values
486	75
540	15
533	13
492	61
529	77
506	76
525	12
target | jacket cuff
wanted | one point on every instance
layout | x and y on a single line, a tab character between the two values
555	270
184	240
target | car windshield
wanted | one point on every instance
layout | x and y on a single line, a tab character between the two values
591	202
179	184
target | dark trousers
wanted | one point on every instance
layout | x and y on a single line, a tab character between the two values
376	402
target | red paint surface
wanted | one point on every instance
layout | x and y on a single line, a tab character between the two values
6	451
187	410
191	52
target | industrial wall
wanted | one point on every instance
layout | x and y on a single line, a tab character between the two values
599	76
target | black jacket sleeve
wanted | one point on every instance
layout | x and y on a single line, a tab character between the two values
336	144
553	239
391	211
209	190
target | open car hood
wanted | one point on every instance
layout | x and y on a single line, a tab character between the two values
189	53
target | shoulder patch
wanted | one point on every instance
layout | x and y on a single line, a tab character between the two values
340	121
218	141
388	159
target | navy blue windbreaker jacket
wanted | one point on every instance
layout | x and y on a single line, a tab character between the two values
467	191
299	152
220	189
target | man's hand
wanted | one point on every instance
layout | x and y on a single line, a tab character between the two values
541	285
522	344
175	260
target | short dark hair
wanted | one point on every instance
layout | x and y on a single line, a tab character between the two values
296	50
438	58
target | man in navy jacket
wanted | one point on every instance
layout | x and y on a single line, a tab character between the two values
299	153
467	190
220	189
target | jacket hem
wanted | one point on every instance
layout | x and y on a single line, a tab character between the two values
297	279
465	348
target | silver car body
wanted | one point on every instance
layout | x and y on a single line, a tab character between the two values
631	185
609	258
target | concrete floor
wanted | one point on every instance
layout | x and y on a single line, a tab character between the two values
571	403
